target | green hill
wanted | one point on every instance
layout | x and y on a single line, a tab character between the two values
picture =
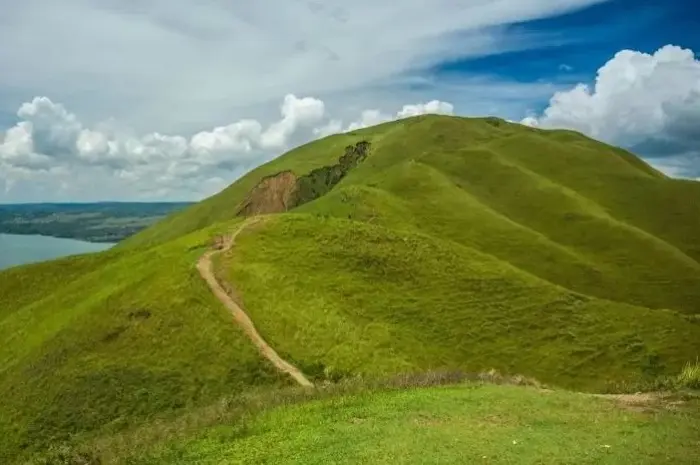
556	204
427	243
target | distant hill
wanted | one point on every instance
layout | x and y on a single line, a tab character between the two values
432	242
93	222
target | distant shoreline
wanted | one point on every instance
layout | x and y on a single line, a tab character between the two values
25	249
53	236
98	222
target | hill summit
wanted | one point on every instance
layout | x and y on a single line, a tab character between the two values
432	242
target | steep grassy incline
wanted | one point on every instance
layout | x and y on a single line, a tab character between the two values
349	297
105	341
553	208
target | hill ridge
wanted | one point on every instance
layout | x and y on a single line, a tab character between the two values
598	210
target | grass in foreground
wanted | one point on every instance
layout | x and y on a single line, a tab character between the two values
463	423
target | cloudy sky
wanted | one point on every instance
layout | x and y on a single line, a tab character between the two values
163	100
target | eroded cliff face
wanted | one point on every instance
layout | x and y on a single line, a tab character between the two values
284	191
274	194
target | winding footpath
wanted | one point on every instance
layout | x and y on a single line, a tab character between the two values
206	270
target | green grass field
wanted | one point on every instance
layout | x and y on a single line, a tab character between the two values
458	244
448	425
423	419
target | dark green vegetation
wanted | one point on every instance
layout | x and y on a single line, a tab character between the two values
321	180
94	222
455	243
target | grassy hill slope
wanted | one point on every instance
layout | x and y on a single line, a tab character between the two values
104	341
358	298
456	243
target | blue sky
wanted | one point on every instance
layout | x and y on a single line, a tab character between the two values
115	100
576	44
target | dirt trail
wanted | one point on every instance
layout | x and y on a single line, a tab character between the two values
206	270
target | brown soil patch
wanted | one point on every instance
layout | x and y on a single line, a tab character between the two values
428	420
643	401
274	194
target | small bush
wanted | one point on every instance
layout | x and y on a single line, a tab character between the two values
68	455
690	376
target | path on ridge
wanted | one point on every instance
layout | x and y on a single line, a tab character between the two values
205	267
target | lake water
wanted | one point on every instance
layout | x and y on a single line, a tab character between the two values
20	249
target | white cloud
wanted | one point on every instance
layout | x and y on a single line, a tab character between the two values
647	102
530	121
18	146
434	106
92	144
49	147
296	113
53	130
184	66
368	118
334	126
236	137
373	117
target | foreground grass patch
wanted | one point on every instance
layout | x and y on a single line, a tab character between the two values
471	423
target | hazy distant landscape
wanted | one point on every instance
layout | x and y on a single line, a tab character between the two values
92	222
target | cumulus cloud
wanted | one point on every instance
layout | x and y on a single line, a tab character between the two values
221	142
647	102
50	144
296	113
373	117
54	130
434	106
